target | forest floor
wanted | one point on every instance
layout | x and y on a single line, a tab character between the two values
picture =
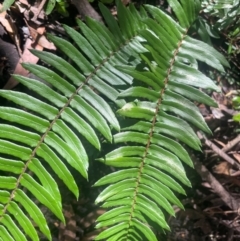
211	207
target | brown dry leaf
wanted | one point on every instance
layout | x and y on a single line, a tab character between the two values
68	232
222	168
11	28
224	109
22	6
42	40
6	22
26	56
90	219
237	156
217	113
25	2
37	33
220	143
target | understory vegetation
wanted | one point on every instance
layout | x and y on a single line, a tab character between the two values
113	117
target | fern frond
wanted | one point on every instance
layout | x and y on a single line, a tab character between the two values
72	108
219	4
164	89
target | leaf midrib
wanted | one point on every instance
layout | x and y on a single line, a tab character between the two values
152	131
12	195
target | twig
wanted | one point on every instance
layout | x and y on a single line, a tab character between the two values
85	9
39	9
218	189
229	200
228	224
231	144
219	151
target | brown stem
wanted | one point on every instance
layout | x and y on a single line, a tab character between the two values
219	152
85	9
217	187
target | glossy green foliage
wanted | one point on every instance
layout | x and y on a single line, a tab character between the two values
226	20
161	106
236	106
145	64
6	5
59	5
72	108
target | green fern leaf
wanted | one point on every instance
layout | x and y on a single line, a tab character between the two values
66	112
150	60
6	5
164	88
